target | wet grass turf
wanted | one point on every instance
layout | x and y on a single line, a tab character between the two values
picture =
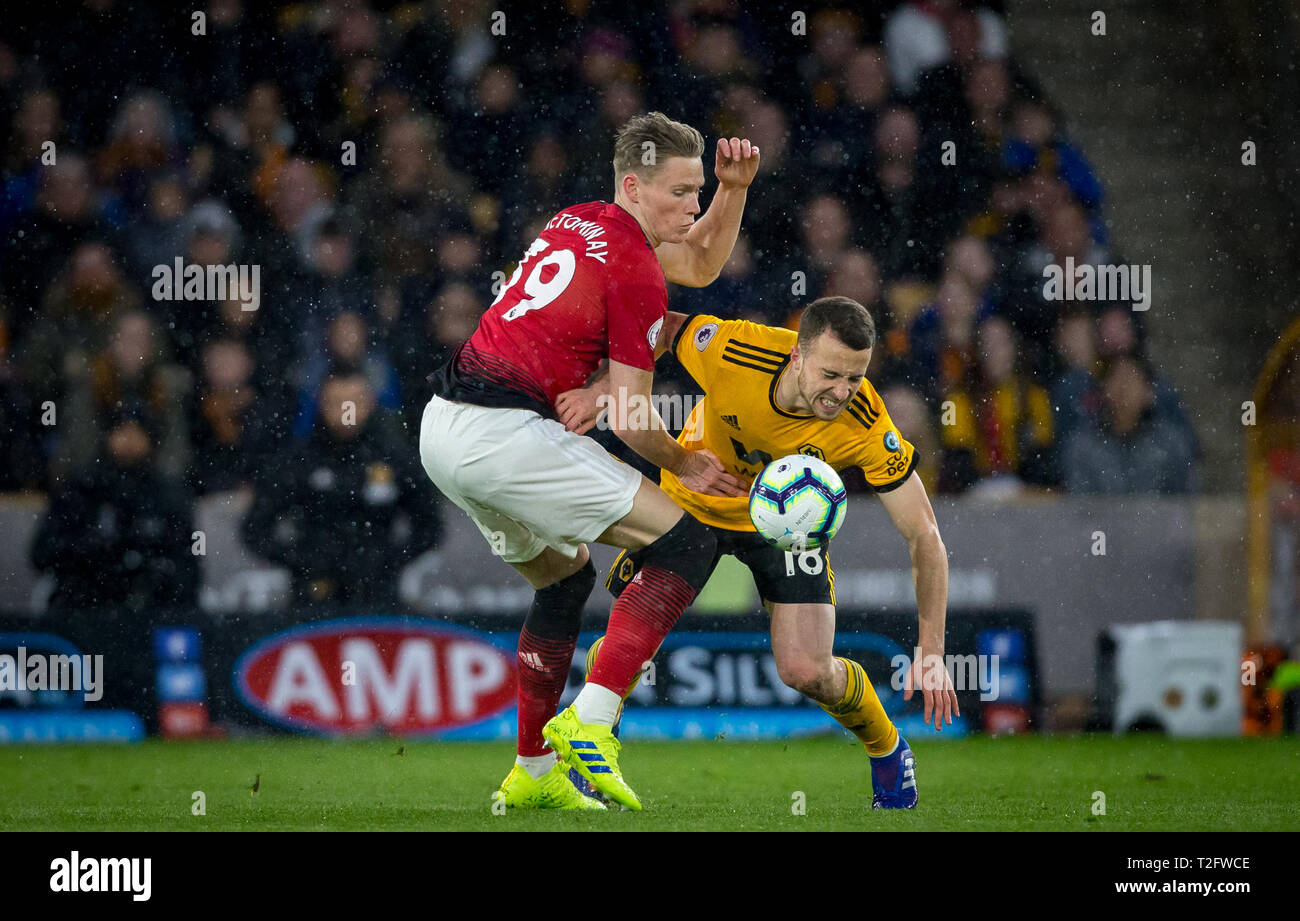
1031	783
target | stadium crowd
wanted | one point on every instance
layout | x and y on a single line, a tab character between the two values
378	163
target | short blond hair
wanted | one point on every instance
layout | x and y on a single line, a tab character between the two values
667	138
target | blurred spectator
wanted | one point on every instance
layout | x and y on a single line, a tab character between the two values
987	92
37	122
1132	447
1065	235
904	218
299	203
971	259
459	254
835	157
68	213
617	101
426	339
264	135
942	337
332	284
486	138
1075	394
227	420
267	339
734	294
771	220
346	350
356	89
545	185
712	56
1121	333
347	509
1001	422
913	420
825	232
471	46
923	35
1036	144
964	106
854	275
832	36
408	201
158	235
242	152
119	535
142	143
129	376
75	321
209	236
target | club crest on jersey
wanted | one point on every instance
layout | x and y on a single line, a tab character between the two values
812	451
653	332
891	441
704	335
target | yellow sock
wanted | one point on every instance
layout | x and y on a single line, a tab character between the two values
860	712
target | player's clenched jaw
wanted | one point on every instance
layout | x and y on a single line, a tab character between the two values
825	374
665	203
829	361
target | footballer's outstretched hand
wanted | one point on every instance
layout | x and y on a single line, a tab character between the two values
579	409
702	472
736	162
930	674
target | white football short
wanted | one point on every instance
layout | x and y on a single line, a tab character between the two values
524	480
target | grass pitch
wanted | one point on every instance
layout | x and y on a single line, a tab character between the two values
1026	783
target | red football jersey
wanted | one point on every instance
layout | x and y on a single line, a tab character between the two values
588	288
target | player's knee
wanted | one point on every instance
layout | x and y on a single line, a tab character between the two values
810	676
557	608
687	549
577	585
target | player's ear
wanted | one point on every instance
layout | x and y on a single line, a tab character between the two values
631	187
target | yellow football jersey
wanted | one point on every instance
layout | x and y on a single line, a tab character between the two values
738	364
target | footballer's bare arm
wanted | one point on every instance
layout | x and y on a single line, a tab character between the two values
909	508
632	417
579	409
697	260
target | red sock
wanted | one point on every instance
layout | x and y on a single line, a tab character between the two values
543	671
641	617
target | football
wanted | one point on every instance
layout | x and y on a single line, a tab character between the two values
797	503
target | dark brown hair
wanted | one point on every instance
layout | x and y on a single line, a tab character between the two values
848	320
